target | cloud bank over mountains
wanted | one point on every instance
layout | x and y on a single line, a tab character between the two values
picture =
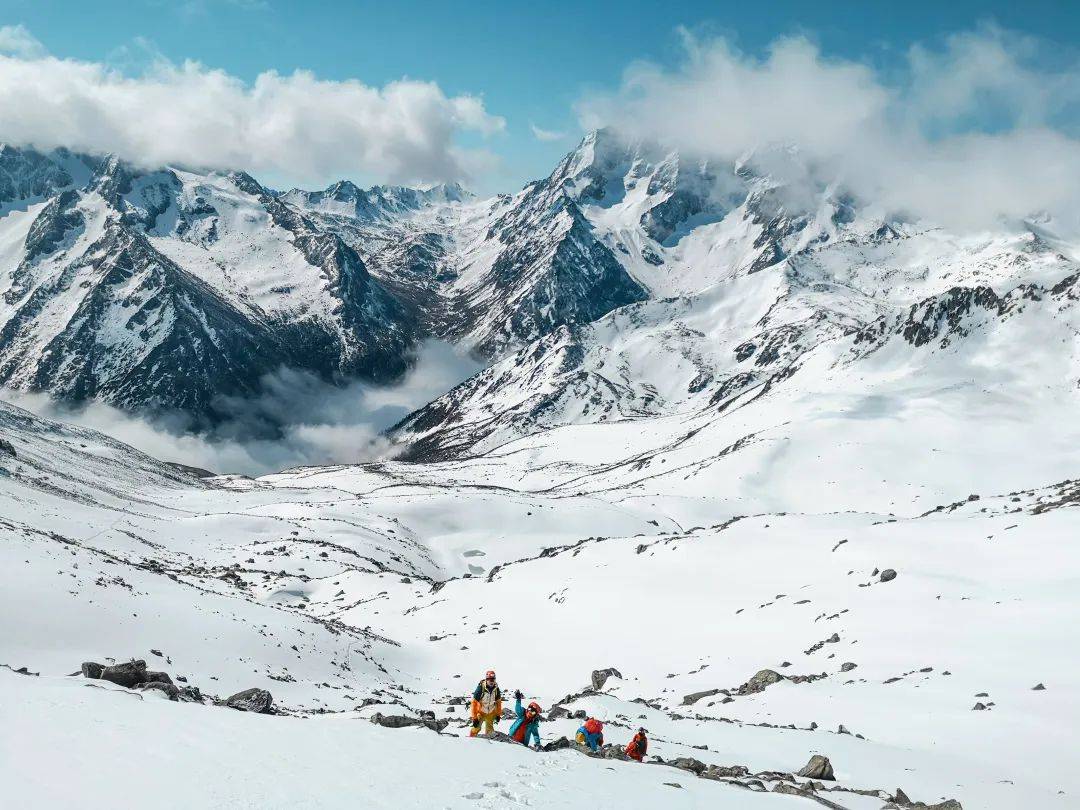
965	134
189	114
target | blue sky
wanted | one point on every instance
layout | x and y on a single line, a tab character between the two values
530	61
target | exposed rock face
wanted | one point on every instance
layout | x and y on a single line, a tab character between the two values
7	448
760	681
258	701
818	767
600	677
129	674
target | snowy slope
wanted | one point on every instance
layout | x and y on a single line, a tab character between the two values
552	568
717	413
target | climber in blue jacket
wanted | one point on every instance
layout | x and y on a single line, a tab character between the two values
527	725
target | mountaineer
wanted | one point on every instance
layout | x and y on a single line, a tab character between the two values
486	705
591	734
527	725
638	746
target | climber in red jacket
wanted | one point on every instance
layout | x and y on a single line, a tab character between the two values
638	746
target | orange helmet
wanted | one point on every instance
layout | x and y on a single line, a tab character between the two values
534	706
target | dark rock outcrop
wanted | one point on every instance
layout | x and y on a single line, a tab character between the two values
760	681
600	677
129	674
91	669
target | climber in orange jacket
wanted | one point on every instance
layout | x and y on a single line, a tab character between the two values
486	705
638	746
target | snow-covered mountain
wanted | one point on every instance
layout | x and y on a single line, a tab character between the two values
800	471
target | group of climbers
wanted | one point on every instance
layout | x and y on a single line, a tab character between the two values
486	711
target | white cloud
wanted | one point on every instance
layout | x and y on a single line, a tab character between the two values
295	125
15	40
546	134
967	133
297	419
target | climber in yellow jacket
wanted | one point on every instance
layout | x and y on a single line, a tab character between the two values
486	705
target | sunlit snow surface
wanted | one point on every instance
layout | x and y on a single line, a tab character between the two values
108	554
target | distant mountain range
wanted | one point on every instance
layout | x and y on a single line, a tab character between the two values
630	282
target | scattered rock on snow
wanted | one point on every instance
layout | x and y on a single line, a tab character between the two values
818	767
847	666
887	575
1038	688
258	701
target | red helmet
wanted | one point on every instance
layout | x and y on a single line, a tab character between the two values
489	674
535	707
593	726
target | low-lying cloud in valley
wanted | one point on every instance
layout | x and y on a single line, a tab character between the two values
978	129
297	419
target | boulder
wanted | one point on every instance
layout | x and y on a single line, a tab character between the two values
888	575
901	798
818	767
91	669
847	666
557	712
694	697
258	701
688	764
760	681
580	714
167	689
129	674
1038	687
158	677
190	694
600	677
614	751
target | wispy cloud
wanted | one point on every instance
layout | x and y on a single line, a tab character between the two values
971	131
16	41
546	134
296	125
